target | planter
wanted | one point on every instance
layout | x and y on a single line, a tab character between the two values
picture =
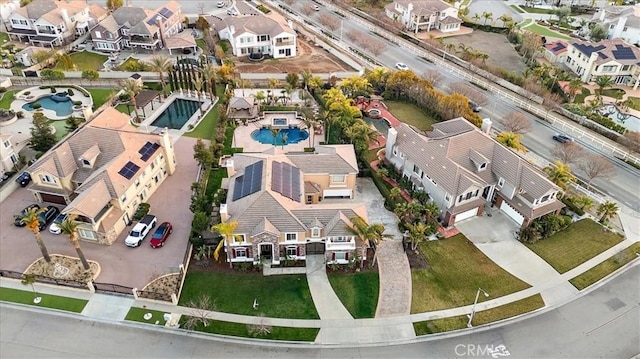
6	121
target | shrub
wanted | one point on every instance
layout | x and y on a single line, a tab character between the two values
53	89
568	201
142	211
43	87
36	106
77	103
3	89
20	114
27	93
70	92
125	97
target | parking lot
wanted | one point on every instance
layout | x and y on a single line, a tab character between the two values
132	267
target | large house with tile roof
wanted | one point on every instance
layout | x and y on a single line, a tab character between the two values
614	58
103	172
462	170
131	27
256	35
52	23
289	205
424	15
621	22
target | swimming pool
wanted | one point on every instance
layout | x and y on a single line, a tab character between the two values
632	123
381	124
176	114
61	108
292	135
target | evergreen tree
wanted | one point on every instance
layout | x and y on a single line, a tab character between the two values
42	137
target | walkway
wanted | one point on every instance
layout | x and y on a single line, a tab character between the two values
395	280
325	299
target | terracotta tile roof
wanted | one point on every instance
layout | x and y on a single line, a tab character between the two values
91	201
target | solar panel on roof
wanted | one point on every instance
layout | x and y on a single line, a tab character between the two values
623	53
250	182
166	12
285	179
129	170
148	150
276	176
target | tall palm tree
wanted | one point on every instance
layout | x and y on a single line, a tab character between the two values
476	17
584	202
132	88
161	64
607	210
603	82
260	97
560	174
505	19
209	74
310	124
574	85
305	76
275	132
30	219
70	227
372	233
511	140
226	229
486	16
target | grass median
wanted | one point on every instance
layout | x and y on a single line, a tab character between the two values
607	267
47	301
137	314
244	331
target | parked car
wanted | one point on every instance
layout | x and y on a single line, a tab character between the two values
401	66
54	228
18	219
221	4
232	12
140	230
24	179
316	7
562	138
474	106
47	216
161	234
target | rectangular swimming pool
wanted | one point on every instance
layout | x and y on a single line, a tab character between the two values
176	114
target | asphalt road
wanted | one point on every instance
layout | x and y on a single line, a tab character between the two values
605	323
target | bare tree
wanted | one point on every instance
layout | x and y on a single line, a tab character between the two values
376	47
307	8
472	94
596	166
260	329
330	21
200	310
433	76
355	35
568	153
516	122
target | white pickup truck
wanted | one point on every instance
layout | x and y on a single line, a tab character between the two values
140	230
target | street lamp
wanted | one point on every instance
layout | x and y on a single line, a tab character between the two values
473	309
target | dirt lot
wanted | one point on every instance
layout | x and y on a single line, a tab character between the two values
309	57
501	52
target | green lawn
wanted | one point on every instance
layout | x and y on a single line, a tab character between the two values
410	114
124	108
4	38
456	270
582	95
358	292
48	301
86	60
615	93
7	99
517	9
540	30
241	330
215	180
607	267
207	127
536	10
100	96
634	102
203	45
61	130
483	317
575	245
282	296
137	315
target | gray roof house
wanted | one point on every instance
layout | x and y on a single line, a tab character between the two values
256	35
462	169
277	201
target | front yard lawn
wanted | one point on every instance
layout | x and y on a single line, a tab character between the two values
540	30
536	10
607	267
582	95
358	292
486	316
575	245
410	114
283	296
48	301
86	60
456	269
241	330
137	315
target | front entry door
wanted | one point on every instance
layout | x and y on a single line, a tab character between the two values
266	251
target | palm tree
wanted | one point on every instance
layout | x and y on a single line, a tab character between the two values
305	76
32	222
584	202
275	132
310	124
372	233
161	64
396	194
603	83
486	16
476	17
226	229
70	227
259	96
418	233
574	85
132	88
560	174
607	210
505	19
209	74
511	140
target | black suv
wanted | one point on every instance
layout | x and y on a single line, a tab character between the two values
47	216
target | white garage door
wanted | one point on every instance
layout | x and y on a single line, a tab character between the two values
337	193
466	214
511	212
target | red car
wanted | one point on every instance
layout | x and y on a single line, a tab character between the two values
161	234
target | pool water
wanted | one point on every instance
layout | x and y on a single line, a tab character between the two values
293	135
176	114
632	123
380	124
61	109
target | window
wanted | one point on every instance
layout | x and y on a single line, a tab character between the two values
501	182
263	38
315	232
73	19
281	52
340	239
447	197
340	255
48	179
156	179
290	237
416	170
239	238
483	166
625	28
137	183
545	198
338	179
98	35
7	144
14	158
87	234
86	163
292	251
610	68
241	252
123	198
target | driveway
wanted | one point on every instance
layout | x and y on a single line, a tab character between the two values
494	236
132	267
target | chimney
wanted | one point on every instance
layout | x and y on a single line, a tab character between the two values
170	156
161	27
224	215
230	169
486	125
65	16
391	141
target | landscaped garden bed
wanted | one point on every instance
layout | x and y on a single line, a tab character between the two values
64	267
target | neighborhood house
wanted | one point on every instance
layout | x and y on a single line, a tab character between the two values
424	15
258	35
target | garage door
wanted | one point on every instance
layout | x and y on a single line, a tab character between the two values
315	248
466	214
341	193
511	212
52	198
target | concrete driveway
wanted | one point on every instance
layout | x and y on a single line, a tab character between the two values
132	267
367	192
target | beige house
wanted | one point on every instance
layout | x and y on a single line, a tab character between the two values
278	201
257	35
615	58
424	15
8	156
103	172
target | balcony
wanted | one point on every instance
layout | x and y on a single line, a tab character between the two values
142	40
340	244
285	42
46	31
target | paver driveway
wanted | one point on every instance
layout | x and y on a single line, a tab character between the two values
133	267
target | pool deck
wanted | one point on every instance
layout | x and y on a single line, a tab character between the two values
242	138
156	111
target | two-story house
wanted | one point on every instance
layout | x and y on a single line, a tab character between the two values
424	15
614	58
621	22
8	156
277	200
257	35
103	172
51	23
462	169
555	52
137	27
